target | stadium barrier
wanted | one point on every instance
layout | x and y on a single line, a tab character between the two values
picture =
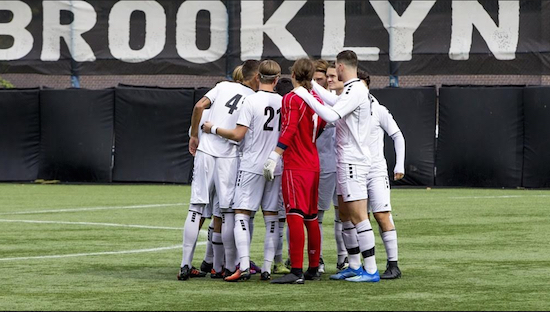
488	136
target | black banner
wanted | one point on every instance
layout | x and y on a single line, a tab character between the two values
428	37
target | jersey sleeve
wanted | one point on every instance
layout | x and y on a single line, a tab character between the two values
290	115
321	122
349	100
213	93
246	114
387	122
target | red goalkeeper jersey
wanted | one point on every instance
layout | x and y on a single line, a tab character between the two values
299	130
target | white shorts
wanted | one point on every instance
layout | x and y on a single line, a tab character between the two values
213	174
327	185
210	207
379	194
352	182
252	191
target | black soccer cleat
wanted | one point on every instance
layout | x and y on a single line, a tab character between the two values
342	266
206	267
216	275
312	275
184	273
196	273
392	272
265	276
290	278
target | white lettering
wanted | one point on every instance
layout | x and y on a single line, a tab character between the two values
335	34
502	40
22	38
186	31
85	18
402	28
119	30
253	29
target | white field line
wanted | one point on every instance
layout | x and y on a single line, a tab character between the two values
502	196
93	208
97	224
96	253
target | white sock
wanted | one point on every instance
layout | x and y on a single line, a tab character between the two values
320	216
209	254
251	227
365	236
242	240
279	251
390	243
270	242
340	246
228	238
217	246
190	236
349	234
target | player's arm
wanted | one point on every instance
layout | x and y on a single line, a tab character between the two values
327	113
236	134
328	97
200	106
389	125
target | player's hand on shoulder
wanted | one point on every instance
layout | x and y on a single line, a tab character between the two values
193	144
207	127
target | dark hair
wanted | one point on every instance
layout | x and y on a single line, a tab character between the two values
250	68
347	57
284	86
331	64
303	70
363	75
269	71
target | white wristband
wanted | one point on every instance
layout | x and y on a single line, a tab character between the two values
274	156
214	129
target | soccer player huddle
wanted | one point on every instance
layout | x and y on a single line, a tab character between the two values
291	147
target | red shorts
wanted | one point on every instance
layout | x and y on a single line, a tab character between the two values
301	191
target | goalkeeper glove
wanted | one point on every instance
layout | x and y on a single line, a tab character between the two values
269	166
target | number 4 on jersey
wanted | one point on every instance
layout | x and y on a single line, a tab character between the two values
232	104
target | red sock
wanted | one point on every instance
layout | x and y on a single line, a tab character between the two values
296	240
313	242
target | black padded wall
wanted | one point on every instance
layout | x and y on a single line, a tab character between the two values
480	136
536	157
151	141
77	135
414	110
19	134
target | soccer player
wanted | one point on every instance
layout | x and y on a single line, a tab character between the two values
352	113
378	183
299	130
258	125
320	75
215	166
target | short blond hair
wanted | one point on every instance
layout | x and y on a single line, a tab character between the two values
269	71
238	74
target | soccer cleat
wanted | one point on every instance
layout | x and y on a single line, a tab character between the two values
196	273
238	276
215	275
289	278
349	272
254	268
392	272
321	265
184	273
287	264
265	276
342	266
312	276
363	276
227	273
280	268
206	267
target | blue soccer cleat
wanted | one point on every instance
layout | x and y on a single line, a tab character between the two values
349	272
363	276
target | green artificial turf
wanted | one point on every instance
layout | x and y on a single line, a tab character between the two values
118	247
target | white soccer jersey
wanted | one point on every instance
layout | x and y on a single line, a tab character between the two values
352	135
261	114
326	147
382	121
226	98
